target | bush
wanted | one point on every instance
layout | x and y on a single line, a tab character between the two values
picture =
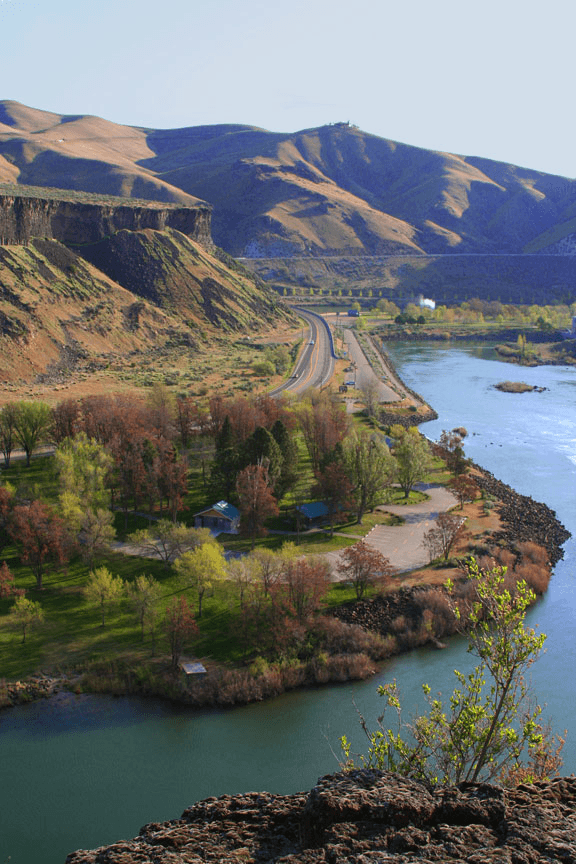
489	722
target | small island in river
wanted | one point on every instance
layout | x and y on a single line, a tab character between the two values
518	387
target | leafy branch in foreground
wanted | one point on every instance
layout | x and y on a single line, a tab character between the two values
490	729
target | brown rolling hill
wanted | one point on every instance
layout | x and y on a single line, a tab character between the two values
335	190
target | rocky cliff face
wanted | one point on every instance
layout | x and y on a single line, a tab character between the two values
76	223
360	817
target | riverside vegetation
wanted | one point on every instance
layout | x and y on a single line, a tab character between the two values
265	622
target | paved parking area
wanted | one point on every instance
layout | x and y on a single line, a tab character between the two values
402	544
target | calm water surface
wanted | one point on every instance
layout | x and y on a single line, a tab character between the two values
80	771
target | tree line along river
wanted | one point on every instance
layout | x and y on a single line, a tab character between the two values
83	771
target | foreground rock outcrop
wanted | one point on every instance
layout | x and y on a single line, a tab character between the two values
361	817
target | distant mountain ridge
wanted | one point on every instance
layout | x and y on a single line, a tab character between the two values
334	190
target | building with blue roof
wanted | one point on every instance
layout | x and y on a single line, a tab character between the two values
221	516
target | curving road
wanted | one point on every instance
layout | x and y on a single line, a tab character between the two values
315	365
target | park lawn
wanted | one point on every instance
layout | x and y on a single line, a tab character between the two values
39	480
71	633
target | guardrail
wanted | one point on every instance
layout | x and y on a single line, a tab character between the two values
324	324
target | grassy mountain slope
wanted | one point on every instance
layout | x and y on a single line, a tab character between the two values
59	312
331	190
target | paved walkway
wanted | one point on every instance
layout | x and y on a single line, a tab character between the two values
402	544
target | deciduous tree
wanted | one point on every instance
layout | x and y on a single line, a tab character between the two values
413	458
370	466
168	540
440	539
104	589
143	594
41	537
255	501
31	423
490	721
179	626
201	568
7	585
26	614
364	566
465	488
8	414
334	487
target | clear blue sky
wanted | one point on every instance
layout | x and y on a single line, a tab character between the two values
493	79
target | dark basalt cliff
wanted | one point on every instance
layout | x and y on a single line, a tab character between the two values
360	817
76	223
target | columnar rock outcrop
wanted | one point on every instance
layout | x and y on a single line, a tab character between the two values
360	817
76	223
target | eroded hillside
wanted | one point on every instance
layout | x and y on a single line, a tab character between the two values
325	191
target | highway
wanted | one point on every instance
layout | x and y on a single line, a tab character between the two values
315	365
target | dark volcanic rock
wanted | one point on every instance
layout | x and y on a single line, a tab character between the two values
361	817
76	223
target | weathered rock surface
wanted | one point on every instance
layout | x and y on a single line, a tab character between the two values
524	518
361	817
77	223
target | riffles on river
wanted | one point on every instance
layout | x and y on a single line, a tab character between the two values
82	771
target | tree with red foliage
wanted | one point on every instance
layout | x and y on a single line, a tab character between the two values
465	488
324	425
334	487
41	536
179	626
7	586
301	587
440	539
255	501
66	420
363	566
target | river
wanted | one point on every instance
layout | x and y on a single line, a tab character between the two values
83	771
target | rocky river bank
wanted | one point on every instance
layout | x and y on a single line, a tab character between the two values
360	817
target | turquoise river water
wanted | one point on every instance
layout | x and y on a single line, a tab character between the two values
83	771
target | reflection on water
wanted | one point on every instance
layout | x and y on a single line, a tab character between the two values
85	771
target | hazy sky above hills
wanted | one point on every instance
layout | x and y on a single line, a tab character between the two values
492	79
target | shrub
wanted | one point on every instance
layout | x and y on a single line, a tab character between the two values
489	721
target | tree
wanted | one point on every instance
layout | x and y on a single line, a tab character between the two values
104	589
440	539
168	540
289	471
201	568
261	448
41	536
7	586
97	534
413	458
243	572
179	626
84	469
465	488
300	588
452	451
371	467
490	722
8	415
370	393
255	501
143	595
335	489
31	422
364	566
26	614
